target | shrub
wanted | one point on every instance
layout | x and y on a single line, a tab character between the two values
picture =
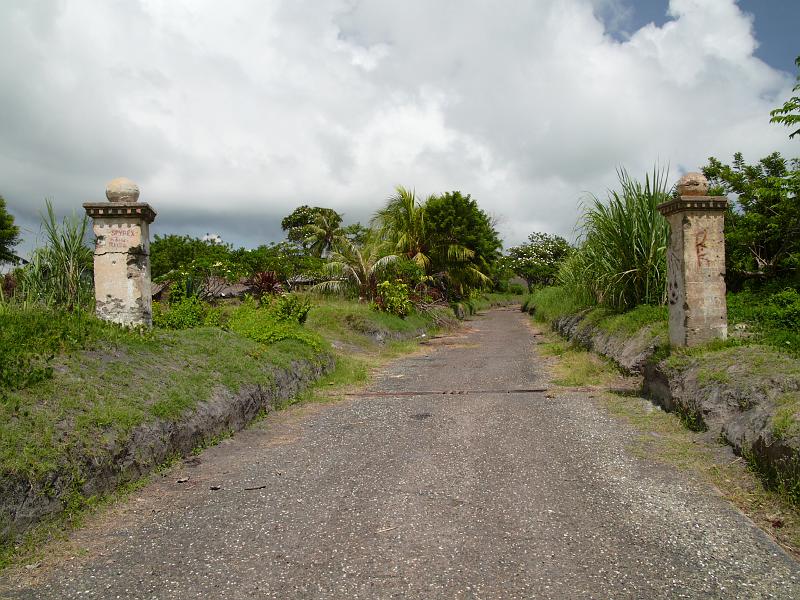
267	325
60	272
772	312
290	307
393	297
266	283
516	289
184	311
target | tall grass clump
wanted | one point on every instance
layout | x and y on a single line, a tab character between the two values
60	272
621	260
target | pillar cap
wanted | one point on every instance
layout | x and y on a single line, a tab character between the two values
120	210
122	189
692	184
707	204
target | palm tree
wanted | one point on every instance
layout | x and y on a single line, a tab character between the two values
402	224
323	233
354	268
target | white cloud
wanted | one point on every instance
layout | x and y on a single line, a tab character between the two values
230	114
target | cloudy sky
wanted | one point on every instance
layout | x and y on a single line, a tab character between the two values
230	114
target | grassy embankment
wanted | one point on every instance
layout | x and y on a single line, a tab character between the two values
665	436
764	334
70	384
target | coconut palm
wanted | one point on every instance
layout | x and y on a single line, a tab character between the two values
403	225
323	233
356	269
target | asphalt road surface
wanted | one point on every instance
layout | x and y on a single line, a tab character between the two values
492	490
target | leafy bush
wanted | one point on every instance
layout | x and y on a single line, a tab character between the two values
517	289
393	297
184	311
270	324
290	307
538	259
773	314
266	283
762	225
547	304
59	274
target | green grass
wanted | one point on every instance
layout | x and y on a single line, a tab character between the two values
630	322
786	420
106	381
575	366
548	304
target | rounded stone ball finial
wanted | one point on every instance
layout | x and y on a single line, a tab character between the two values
693	184
122	189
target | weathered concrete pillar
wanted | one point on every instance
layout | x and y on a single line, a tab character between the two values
122	288
696	263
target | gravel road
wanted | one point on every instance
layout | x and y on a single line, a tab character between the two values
493	491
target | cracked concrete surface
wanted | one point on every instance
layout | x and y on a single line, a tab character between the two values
478	495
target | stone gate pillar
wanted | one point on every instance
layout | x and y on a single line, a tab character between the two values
122	288
696	263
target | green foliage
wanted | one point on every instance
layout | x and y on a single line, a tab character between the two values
175	252
547	304
9	234
60	272
273	323
316	228
464	241
184	312
447	236
772	312
291	308
621	261
356	233
393	297
285	259
516	289
762	226
789	113
538	260
209	270
31	337
355	270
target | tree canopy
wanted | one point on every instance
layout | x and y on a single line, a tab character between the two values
789	113
314	227
9	234
762	229
537	260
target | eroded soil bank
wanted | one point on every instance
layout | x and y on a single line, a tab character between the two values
747	396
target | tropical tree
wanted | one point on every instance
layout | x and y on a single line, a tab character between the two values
323	232
537	260
762	226
789	113
313	227
356	269
464	243
9	234
401	223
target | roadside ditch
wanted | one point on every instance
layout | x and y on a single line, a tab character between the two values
747	396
